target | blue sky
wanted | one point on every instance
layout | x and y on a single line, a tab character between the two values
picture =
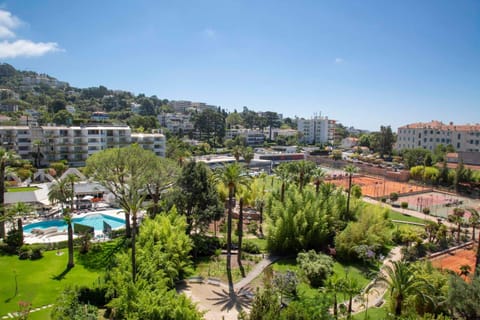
363	63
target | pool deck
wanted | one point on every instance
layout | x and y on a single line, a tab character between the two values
30	238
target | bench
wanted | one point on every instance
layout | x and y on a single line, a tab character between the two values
213	281
195	280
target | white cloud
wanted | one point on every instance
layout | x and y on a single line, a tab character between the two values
20	47
26	48
339	60
8	22
210	33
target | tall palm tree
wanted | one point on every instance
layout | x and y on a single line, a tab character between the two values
334	285
232	176
61	192
240	236
351	287
283	172
5	158
350	170
248	154
474	221
458	214
402	283
318	176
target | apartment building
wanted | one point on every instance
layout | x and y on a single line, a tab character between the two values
176	122
252	137
317	129
154	141
75	143
464	137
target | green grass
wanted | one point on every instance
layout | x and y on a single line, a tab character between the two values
373	314
394	215
339	269
21	189
40	281
261	243
207	267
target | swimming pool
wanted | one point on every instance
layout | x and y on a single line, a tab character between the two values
93	220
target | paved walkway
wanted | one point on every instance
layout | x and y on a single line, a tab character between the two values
256	271
377	289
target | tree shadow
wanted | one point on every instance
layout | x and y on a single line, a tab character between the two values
239	300
62	275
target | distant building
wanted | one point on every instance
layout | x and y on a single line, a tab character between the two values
252	137
176	122
315	130
8	107
154	141
75	143
470	159
349	142
31	81
465	137
71	109
99	116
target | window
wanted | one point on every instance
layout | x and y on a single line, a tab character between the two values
458	145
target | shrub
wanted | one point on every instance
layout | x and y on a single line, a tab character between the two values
393	196
383	199
250	247
14	239
426	210
204	246
252	228
404	205
36	254
315	266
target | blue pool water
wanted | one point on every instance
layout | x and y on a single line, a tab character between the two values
93	220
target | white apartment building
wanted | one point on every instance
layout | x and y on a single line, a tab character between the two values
316	130
75	143
252	137
176	122
154	141
465	137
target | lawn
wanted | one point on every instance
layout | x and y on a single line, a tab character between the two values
39	282
21	189
394	215
339	269
207	267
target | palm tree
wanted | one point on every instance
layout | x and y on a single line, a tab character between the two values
458	214
19	209
61	192
351	170
248	154
232	177
465	270
402	283
237	152
366	293
5	158
283	172
334	285
351	287
474	221
318	176
240	237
